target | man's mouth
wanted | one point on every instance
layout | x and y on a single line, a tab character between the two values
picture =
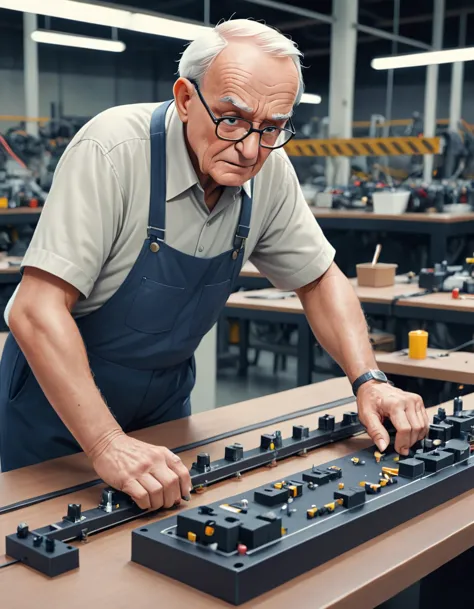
237	165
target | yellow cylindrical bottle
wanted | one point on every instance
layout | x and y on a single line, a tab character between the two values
417	344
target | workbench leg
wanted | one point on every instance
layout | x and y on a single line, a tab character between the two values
244	326
305	354
438	247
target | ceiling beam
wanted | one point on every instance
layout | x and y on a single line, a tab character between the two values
426	17
327	51
389	36
296	25
295	10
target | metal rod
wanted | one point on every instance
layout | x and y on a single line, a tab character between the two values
389	36
30	73
390	75
207	12
296	10
431	87
457	80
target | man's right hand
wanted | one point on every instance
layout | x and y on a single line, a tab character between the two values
153	476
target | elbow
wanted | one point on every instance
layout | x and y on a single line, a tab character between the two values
22	318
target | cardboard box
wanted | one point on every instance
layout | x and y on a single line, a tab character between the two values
378	275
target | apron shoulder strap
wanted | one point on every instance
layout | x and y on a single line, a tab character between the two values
243	227
157	208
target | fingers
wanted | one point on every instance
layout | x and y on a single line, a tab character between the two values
404	430
155	490
170	483
138	493
178	467
376	430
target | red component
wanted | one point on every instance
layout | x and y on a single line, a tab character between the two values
357	183
241	549
33	203
455	293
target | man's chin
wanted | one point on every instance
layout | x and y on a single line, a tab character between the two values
233	178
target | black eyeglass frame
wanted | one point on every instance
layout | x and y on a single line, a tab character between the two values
218	121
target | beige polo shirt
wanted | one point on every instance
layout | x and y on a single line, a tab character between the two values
95	219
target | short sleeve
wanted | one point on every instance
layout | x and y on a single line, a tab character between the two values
80	219
292	250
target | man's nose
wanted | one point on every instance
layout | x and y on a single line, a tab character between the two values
249	146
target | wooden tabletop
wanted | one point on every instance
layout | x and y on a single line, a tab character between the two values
254	299
363	577
441	218
439	300
250	270
455	368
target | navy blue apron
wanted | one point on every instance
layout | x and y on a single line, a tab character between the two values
140	343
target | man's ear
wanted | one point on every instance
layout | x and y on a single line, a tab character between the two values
183	91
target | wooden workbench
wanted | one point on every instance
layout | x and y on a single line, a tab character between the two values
363	577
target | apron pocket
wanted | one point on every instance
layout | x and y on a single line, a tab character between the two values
19	376
210	304
155	307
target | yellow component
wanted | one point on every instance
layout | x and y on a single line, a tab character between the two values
391	471
365	146
293	490
417	344
375	487
330	506
312	512
117	505
363	483
383	482
209	531
278	485
230	508
283	531
340	501
341	485
396	459
335	468
3	202
355	460
234	334
378	456
272	446
470	260
191	536
437	442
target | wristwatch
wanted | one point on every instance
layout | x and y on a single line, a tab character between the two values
371	375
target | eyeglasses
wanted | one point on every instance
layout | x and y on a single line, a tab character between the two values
236	129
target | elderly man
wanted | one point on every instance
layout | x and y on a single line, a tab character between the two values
152	211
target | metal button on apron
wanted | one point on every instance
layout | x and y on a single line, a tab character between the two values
201	248
154	247
234	255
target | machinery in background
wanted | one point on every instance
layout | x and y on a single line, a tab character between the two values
458	279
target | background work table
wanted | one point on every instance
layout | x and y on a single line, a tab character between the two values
363	577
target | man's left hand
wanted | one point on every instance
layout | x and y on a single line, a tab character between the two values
378	401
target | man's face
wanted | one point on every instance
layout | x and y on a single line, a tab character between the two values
244	82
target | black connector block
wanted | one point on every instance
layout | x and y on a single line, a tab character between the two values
50	557
300	432
461	450
436	460
441	431
271	496
411	468
317	477
327	422
257	531
351	497
234	452
349	418
203	462
224	527
460	424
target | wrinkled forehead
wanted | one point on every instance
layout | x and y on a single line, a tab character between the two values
248	79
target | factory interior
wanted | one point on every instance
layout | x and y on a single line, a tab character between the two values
227	224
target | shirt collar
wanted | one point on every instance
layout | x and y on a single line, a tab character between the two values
180	174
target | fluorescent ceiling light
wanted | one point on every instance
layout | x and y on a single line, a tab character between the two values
310	98
108	17
81	42
423	59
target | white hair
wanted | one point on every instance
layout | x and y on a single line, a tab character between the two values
201	52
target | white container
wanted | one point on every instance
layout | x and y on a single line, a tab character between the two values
386	202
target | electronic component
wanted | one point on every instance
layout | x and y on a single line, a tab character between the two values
411	468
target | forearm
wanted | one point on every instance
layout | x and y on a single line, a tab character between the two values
53	346
336	318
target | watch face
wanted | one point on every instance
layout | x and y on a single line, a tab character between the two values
379	375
